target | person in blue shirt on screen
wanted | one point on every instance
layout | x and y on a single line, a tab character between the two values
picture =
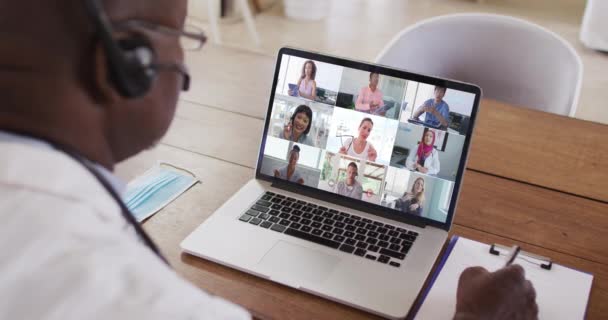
437	111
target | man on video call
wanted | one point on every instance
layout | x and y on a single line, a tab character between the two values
67	116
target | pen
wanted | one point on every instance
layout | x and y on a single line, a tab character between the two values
512	255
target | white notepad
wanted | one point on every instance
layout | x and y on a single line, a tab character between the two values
562	293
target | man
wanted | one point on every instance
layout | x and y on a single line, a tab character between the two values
290	172
370	98
350	187
67	251
437	111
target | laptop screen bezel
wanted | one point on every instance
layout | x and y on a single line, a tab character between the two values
361	205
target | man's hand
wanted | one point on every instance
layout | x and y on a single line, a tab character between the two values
504	294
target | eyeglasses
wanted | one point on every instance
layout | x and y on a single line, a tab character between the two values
191	38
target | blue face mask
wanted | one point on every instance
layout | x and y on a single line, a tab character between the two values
155	189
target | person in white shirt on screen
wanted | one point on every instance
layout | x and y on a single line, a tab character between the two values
290	171
426	157
359	147
350	187
66	250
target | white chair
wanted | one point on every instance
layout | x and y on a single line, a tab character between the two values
512	60
213	10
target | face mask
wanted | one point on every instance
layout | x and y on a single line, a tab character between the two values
155	189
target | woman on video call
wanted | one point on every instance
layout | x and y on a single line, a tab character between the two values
426	158
350	187
299	126
412	201
370	97
307	87
290	171
360	147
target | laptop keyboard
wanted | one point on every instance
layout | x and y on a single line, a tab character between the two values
342	231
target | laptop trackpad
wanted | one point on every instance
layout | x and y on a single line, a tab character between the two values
295	265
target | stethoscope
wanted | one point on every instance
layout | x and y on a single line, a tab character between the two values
126	213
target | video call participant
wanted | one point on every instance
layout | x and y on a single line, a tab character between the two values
290	171
412	201
426	157
307	86
360	148
299	126
370	98
437	111
350	187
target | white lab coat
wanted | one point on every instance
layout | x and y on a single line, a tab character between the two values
65	251
431	162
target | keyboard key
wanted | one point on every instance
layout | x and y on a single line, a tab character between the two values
317	232
297	213
290	199
388	226
350	227
318	211
393	233
344	214
294	218
413	233
305	222
366	220
371	240
307	209
378	223
339	225
296	206
350	241
383	244
334	211
245	218
286	203
263	216
317	218
276	200
393	254
278	227
326	228
306	228
260	208
256	221
307	215
373	248
383	259
284	215
253	213
339	238
266	224
313	238
301	202
264	203
338	231
312	205
373	234
284	222
384	237
271	193
361	245
329	222
355	217
274	212
280	196
405	250
347	248
394	247
349	221
274	219
322	208
361	231
349	234
394	264
369	256
339	218
382	230
395	240
328	235
360	252
295	225
287	209
360	237
401	230
360	224
316	225
371	227
266	197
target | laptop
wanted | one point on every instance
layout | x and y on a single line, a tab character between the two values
342	224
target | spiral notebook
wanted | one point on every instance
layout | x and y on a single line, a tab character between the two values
562	293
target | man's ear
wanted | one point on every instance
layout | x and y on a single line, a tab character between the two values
106	91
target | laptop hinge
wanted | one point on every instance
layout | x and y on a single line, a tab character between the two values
345	202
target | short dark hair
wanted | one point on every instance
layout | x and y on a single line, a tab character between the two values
373	73
303	109
314	70
366	119
441	88
353	164
295	148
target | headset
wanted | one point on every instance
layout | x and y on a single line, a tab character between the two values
130	60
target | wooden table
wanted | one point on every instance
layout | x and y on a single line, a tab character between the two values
533	179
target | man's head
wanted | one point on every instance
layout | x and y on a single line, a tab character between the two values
55	76
439	92
352	171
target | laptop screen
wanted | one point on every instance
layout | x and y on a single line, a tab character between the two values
372	135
